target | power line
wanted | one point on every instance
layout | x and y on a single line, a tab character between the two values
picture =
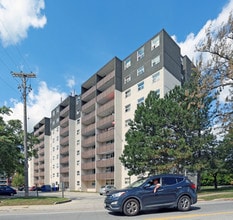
23	88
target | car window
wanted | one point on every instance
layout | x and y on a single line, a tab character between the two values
167	181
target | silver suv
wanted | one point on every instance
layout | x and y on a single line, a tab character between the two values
106	189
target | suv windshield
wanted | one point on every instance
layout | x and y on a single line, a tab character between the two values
137	183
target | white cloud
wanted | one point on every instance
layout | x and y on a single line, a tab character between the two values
17	16
38	105
71	82
188	46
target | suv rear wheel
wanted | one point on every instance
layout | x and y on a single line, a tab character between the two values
131	207
184	203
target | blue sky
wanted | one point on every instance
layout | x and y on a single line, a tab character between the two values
65	42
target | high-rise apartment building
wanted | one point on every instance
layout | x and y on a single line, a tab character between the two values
88	136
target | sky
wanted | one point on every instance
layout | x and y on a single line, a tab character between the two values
64	42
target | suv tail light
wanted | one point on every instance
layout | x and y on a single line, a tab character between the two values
193	186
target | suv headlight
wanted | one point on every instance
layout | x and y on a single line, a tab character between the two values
115	195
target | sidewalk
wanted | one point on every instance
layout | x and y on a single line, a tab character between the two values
79	201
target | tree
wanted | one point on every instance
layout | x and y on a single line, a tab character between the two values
216	67
169	134
11	141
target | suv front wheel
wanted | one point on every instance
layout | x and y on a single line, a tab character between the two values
184	203
131	207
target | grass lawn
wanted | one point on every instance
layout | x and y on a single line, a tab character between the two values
43	200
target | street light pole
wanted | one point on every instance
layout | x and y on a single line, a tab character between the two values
24	77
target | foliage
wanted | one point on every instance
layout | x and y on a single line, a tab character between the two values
11	141
217	72
18	180
169	134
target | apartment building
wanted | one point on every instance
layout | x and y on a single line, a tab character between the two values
38	170
110	98
87	131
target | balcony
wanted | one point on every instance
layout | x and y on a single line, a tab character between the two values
105	162
64	159
106	136
89	130
89	106
106	109
88	166
88	142
64	169
106	82
64	141
89	94
105	176
64	122
65	112
88	177
106	122
105	149
88	118
64	150
88	153
64	131
106	96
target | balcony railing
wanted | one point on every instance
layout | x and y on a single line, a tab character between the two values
105	122
89	106
90	93
104	149
88	153
108	79
105	162
88	142
88	166
106	109
106	136
65	111
105	176
88	177
88	118
106	96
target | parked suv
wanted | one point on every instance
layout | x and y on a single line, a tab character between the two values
174	191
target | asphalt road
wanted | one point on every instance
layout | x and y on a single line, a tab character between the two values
90	206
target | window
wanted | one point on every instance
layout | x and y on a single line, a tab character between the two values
78	162
127	93
78	152
127	79
127	108
155	77
78	142
78	183
140	53
157	92
140	86
140	70
78	173
140	101
155	43
78	121
127	122
127	180
127	63
78	131
155	61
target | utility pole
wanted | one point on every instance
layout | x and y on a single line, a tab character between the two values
24	88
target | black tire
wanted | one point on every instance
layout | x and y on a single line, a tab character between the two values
131	207
184	203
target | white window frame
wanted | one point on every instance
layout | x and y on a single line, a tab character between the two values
128	93
127	108
155	42
155	61
127	79
155	77
127	63
141	86
140	70
141	100
140	53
